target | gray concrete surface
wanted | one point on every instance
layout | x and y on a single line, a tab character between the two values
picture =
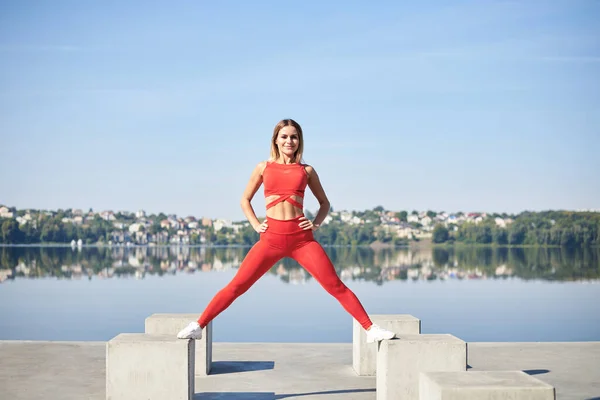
270	371
572	368
483	385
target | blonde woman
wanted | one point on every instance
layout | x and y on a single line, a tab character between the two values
286	232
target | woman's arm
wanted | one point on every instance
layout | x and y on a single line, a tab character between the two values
315	186
251	188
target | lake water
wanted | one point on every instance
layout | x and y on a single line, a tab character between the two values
475	293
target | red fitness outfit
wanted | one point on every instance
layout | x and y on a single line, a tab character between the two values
284	238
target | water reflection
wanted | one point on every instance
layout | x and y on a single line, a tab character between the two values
358	263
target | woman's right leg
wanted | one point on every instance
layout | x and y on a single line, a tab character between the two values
261	257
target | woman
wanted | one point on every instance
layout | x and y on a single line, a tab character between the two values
286	232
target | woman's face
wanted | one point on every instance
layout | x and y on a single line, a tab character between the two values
287	141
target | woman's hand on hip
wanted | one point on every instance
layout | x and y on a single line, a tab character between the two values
262	227
306	224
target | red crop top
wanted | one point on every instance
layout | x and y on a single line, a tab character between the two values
285	180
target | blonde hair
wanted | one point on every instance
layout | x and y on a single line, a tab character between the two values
275	151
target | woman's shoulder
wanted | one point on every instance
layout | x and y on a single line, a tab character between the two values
308	168
261	166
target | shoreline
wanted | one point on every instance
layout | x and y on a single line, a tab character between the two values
374	245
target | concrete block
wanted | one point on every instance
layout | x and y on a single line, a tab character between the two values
483	385
364	355
148	367
171	324
400	361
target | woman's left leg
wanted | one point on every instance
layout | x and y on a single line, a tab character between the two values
313	258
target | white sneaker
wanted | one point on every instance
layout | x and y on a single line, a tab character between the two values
192	331
377	333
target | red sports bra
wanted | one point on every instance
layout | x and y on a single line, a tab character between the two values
285	180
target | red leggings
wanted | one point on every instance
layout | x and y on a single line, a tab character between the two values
285	239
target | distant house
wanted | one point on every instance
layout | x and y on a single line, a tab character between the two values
134	227
426	221
237	227
356	220
352	220
345	216
222	223
5	212
404	231
108	216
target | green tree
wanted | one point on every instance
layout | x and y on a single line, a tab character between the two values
11	232
155	228
516	234
501	236
402	215
484	234
47	234
440	234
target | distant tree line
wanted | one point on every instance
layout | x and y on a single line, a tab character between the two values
51	229
549	228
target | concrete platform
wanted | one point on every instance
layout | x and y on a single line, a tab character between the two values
270	371
142	366
483	385
400	362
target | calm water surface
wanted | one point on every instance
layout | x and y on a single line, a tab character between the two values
477	294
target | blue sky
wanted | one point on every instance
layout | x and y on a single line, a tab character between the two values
454	106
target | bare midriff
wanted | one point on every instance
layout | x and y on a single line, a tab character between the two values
284	210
